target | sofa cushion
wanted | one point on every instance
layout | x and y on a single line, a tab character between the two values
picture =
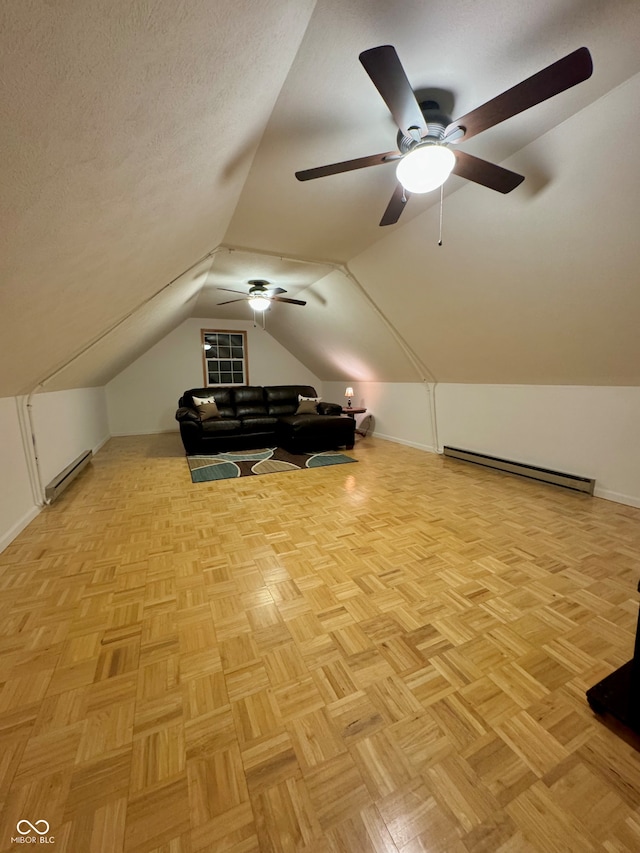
220	426
329	409
200	401
304	423
208	411
299	432
249	401
283	399
221	395
307	407
261	423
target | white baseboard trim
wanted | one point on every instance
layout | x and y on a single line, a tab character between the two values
100	444
144	432
426	447
605	494
18	527
629	500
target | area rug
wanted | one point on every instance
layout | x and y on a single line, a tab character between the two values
269	460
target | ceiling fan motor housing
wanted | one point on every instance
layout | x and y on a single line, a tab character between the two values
436	121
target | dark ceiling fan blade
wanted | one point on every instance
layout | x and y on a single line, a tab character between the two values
285	299
232	300
485	173
230	290
395	206
348	165
388	76
557	77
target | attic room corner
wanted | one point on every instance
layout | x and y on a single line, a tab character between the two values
65	423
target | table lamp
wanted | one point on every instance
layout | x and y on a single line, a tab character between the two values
349	394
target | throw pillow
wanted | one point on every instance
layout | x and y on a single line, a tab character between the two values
207	411
307	407
198	401
315	399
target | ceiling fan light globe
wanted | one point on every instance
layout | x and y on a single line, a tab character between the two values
425	168
259	303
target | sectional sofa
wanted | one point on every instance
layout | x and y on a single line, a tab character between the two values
218	419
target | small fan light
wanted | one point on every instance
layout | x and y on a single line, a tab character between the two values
425	168
259	303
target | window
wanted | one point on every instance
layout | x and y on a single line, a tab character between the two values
225	357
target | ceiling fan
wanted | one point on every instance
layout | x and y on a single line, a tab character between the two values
424	158
261	294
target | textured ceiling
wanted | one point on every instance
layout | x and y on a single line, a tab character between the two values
127	132
137	138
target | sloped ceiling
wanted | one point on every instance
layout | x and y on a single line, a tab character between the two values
128	129
134	334
527	289
139	138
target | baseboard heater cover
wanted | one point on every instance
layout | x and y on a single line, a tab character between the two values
60	483
569	481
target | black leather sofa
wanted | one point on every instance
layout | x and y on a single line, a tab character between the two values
252	416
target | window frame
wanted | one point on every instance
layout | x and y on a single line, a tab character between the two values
244	360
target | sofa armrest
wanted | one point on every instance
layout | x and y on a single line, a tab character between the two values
186	414
329	409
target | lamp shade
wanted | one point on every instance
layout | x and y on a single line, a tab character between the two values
425	168
259	303
348	392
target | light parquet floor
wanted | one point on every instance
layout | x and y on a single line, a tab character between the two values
388	656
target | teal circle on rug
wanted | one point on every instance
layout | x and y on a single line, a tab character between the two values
321	459
215	471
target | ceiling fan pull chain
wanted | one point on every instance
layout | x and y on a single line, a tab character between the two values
441	207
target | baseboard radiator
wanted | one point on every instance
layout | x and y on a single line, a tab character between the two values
60	483
569	481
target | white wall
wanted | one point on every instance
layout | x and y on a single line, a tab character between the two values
401	410
584	430
143	398
17	503
590	431
66	424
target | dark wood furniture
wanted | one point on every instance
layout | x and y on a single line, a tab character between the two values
352	412
619	693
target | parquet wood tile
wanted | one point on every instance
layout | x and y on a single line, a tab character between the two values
43	794
389	659
269	761
415	821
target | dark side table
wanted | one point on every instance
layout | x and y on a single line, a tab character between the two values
352	412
